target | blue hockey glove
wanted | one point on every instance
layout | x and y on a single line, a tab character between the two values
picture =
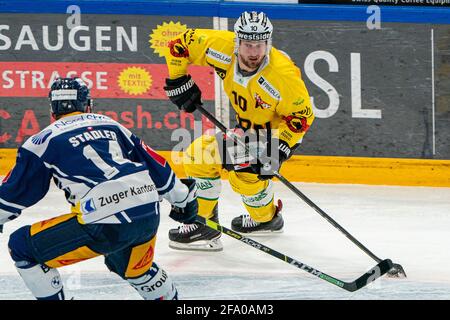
188	213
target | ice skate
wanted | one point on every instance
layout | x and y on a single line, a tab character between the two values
245	223
196	237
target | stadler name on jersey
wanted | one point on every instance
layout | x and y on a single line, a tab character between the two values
92	135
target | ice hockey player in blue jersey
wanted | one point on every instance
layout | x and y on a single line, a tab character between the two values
114	183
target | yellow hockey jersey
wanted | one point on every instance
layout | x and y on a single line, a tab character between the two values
275	97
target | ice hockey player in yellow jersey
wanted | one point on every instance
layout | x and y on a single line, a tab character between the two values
271	103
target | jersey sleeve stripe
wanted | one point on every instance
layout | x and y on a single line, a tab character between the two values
168	185
12	205
182	201
6	216
62	174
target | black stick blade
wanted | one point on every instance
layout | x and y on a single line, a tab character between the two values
379	270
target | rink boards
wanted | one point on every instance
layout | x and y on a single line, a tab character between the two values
381	93
321	169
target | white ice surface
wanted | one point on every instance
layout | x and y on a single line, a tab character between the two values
410	225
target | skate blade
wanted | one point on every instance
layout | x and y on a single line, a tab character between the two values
201	245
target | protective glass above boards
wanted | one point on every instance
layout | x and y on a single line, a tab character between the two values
420	3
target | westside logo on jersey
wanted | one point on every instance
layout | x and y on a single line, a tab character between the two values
90	135
267	87
218	56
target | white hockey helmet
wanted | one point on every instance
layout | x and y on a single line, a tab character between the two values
253	26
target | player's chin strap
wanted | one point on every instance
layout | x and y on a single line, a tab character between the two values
396	270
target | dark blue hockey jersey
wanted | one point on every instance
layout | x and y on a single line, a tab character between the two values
106	171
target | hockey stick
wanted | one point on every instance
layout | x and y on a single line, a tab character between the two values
377	271
397	269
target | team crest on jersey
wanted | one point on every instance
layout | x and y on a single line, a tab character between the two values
267	87
296	124
177	49
41	137
260	103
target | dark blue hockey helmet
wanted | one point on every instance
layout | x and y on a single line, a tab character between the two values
69	95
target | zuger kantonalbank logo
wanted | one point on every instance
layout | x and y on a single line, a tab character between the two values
133	191
88	206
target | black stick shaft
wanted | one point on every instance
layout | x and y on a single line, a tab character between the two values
379	270
299	193
212	118
326	216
